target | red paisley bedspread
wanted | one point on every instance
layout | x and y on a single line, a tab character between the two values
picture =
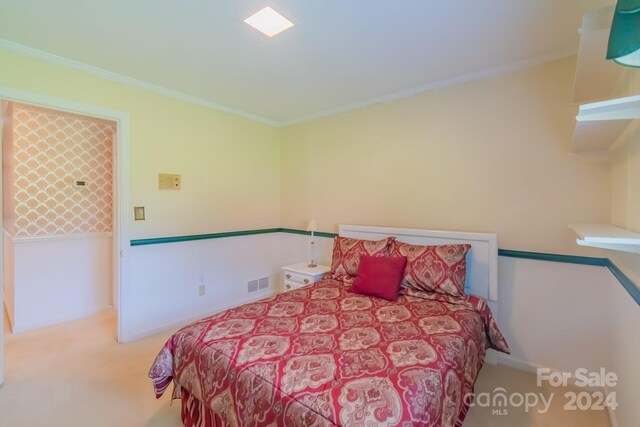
322	355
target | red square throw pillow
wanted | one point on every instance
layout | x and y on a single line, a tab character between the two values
440	268
347	252
379	277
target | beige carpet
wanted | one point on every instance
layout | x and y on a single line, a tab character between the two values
75	374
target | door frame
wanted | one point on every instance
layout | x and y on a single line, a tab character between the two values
121	199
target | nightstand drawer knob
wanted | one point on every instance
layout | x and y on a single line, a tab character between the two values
288	276
306	281
288	286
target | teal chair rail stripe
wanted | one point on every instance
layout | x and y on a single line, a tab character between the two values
175	239
627	283
624	280
541	256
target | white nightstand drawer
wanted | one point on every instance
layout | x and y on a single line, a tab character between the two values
299	275
298	278
290	286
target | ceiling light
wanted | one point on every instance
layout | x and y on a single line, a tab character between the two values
269	22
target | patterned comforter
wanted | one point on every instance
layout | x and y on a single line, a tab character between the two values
322	355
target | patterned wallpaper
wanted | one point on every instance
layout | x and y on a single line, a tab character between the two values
51	149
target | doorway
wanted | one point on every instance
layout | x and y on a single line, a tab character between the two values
117	232
57	215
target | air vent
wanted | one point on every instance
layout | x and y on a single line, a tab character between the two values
252	286
264	283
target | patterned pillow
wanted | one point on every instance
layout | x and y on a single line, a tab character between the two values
347	252
440	268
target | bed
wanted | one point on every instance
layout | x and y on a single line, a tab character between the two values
323	355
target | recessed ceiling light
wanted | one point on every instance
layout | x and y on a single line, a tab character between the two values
269	22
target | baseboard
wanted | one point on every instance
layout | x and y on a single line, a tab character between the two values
491	357
18	328
532	368
507	360
172	326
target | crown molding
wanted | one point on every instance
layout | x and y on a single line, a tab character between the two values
128	81
438	85
402	94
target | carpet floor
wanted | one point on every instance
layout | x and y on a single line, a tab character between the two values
76	374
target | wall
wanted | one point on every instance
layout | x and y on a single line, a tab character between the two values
230	170
8	181
8	276
625	312
489	155
229	165
61	279
625	348
4	115
626	193
554	315
50	150
6	110
223	266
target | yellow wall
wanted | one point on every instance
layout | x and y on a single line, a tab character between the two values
625	315
490	155
626	196
230	166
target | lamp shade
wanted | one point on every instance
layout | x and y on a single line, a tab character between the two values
312	226
624	38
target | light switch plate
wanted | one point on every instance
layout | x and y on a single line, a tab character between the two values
167	181
138	213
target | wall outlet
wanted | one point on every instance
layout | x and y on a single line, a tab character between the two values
202	290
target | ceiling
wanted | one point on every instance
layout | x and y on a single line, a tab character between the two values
340	54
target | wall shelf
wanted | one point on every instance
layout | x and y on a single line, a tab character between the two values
600	124
606	236
606	92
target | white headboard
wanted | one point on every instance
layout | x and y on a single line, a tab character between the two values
482	260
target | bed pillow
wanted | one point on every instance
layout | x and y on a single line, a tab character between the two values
379	276
440	268
347	252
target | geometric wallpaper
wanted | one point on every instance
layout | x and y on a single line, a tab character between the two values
51	149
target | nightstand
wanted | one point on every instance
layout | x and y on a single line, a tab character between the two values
298	275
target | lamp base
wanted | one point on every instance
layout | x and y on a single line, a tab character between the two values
312	265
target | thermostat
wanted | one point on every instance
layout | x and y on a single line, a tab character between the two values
80	183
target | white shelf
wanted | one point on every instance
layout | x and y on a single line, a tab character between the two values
600	124
606	236
597	136
608	93
612	109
